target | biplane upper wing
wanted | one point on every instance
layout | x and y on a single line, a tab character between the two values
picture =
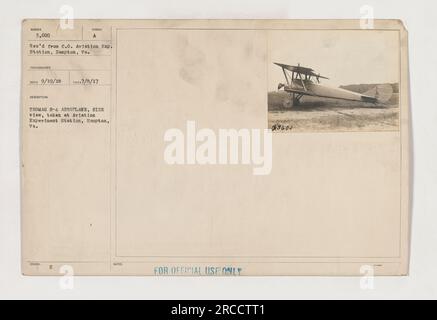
299	69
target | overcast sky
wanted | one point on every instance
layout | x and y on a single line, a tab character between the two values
346	57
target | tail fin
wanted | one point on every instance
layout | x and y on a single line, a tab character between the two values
382	92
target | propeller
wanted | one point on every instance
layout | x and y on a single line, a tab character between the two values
280	85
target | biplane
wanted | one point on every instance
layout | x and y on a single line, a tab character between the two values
302	81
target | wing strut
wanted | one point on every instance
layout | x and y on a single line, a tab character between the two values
301	80
286	76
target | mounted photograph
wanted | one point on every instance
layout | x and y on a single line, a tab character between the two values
349	82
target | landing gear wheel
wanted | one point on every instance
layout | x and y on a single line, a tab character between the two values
296	99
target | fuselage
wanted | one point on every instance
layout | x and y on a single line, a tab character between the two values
308	87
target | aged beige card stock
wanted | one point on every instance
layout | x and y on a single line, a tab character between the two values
215	147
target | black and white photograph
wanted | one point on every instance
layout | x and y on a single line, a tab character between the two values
338	81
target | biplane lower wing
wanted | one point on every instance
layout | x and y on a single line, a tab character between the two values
316	90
